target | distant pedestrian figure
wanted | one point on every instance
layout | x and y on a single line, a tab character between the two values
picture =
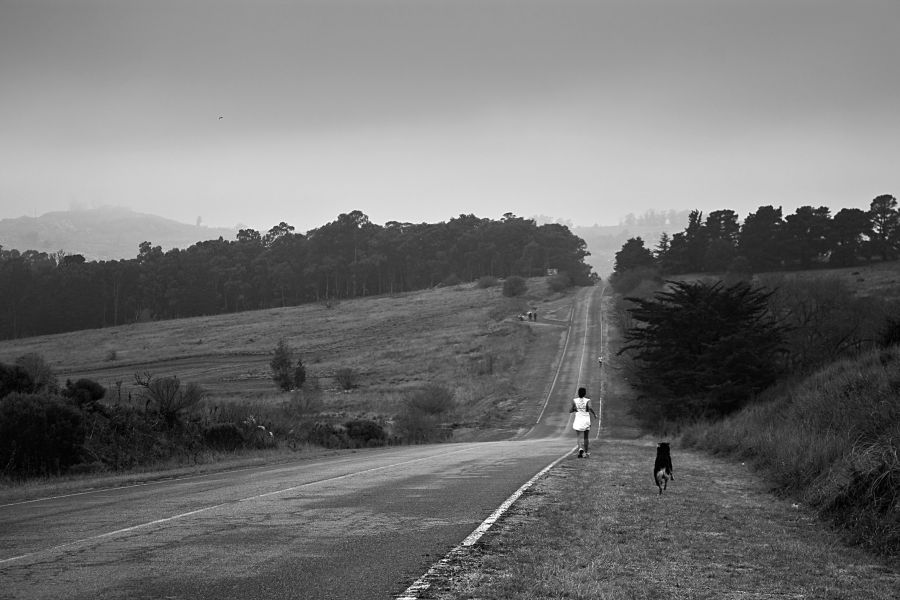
581	406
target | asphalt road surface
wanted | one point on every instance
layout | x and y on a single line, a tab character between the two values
362	525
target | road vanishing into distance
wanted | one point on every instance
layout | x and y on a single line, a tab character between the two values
351	526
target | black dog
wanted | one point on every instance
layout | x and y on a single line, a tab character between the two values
662	468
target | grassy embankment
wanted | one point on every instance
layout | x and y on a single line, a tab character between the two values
596	529
462	338
751	522
830	440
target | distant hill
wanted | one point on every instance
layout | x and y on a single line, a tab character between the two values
603	241
108	233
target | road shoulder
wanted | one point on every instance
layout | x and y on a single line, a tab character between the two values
598	528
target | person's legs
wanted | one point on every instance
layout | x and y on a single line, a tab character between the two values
586	440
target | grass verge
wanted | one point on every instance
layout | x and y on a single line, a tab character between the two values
597	529
831	440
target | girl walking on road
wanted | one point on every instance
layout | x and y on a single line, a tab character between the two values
581	406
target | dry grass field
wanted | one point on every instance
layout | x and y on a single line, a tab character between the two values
463	337
878	279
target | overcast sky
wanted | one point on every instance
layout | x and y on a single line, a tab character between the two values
256	112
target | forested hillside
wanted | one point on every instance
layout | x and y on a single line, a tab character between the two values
350	257
769	241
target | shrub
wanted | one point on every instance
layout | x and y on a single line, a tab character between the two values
328	436
14	378
514	286
167	395
636	281
826	320
559	282
84	392
451	280
286	374
280	365
488	281
890	334
257	435
224	436
40	372
346	378
432	399
39	434
123	437
365	433
299	374
423	412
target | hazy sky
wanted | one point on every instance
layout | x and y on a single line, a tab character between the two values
256	112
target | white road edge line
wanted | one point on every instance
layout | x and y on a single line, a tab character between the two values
207	508
421	584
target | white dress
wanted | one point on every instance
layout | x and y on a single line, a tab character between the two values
582	416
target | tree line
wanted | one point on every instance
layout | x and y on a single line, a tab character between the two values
769	241
346	258
704	348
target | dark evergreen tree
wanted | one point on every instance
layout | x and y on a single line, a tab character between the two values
701	349
849	228
885	226
761	239
807	234
721	230
633	255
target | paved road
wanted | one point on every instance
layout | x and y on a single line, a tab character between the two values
364	525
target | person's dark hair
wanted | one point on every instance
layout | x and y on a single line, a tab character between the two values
581	392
